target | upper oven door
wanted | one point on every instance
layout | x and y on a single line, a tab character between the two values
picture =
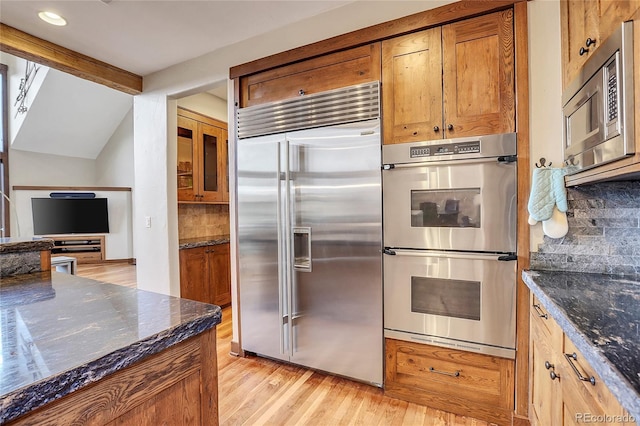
451	205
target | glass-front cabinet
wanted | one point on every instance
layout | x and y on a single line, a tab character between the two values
202	159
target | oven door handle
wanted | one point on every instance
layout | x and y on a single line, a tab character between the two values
448	255
503	159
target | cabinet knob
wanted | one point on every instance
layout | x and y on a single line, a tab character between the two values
436	129
548	365
301	92
583	51
553	375
590	41
450	127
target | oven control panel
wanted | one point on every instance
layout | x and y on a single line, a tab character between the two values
472	147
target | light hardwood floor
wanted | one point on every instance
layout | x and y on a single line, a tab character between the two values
258	391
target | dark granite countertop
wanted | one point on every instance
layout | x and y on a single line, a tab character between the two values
186	243
15	245
62	332
601	315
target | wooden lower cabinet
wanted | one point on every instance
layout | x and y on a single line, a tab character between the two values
557	395
460	382
205	274
178	386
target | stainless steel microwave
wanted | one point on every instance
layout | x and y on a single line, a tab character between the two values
598	105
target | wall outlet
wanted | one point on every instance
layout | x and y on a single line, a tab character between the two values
147	221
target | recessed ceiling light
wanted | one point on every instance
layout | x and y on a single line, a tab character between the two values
52	18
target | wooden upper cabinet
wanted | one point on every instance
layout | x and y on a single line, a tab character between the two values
333	71
412	87
478	75
450	81
585	25
202	159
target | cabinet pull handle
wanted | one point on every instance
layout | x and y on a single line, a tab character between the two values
583	51
590	41
445	373
570	358
450	127
540	312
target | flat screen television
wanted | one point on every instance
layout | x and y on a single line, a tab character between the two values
69	216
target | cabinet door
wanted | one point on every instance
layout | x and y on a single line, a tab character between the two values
210	154
581	398
589	19
478	75
327	72
544	391
187	134
194	275
412	92
579	21
220	274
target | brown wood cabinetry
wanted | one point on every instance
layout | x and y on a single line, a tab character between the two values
460	382
202	159
205	274
341	69
85	248
564	390
178	386
451	81
585	25
544	392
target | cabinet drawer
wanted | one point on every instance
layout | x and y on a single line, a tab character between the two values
541	318
341	69
460	382
583	396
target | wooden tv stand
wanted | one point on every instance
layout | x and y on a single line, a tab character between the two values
85	248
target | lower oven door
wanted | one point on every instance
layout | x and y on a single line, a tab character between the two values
460	300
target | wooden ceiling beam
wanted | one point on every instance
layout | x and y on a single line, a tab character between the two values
37	50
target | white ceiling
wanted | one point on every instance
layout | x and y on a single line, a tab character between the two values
145	36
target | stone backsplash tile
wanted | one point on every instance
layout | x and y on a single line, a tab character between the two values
202	220
604	232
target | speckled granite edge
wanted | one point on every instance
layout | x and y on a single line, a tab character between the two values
22	401
18	245
617	384
207	241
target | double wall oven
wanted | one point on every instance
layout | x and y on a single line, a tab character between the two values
449	212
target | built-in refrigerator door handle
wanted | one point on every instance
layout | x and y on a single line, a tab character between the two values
282	278
302	248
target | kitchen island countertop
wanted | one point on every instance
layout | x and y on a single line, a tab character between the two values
62	333
601	315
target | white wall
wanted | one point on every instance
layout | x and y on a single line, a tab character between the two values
114	164
545	89
206	104
31	168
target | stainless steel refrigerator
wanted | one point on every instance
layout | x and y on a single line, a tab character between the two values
310	232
